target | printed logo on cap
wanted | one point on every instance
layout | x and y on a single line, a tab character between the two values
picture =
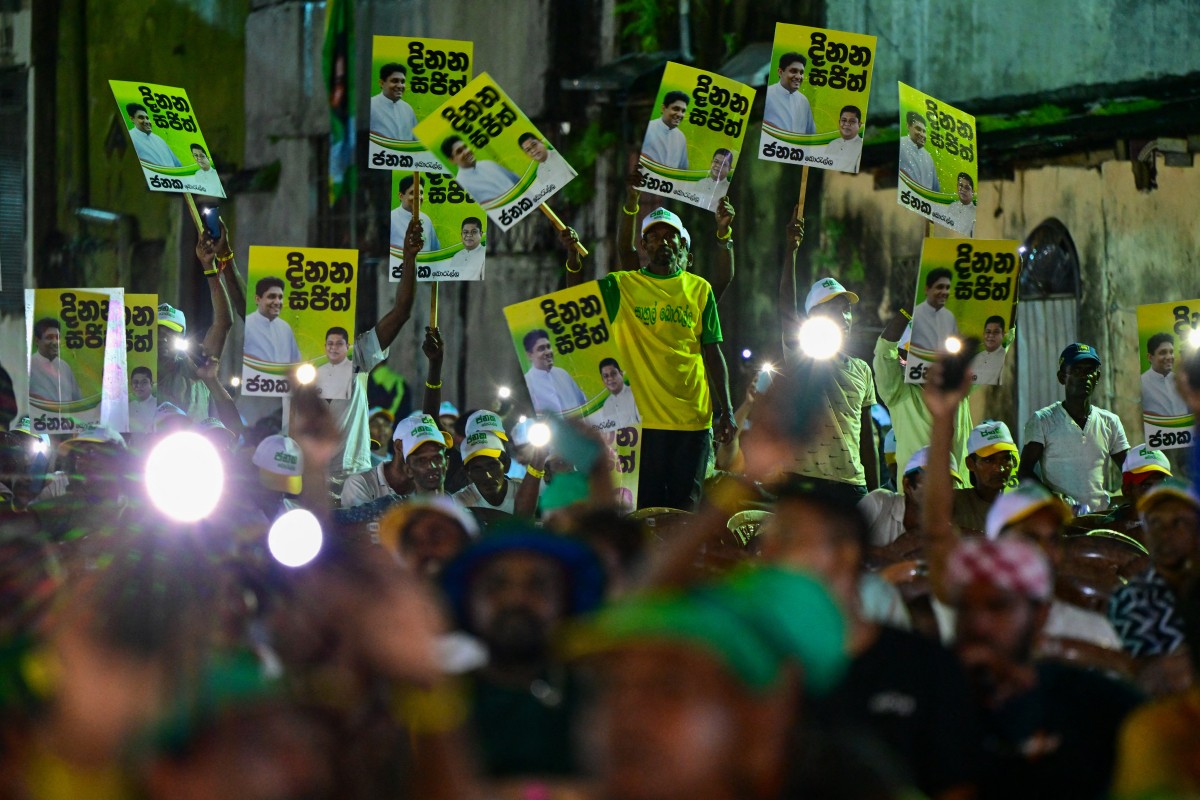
286	458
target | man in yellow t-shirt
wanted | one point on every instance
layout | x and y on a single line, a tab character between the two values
665	321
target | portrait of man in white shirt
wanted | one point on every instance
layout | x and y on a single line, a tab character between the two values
986	366
664	143
484	180
715	184
149	146
391	116
962	210
50	378
845	151
787	108
551	388
268	336
335	378
1160	395
552	167
915	161
932	322
619	409
409	189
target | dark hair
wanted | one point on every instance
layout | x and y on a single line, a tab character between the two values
1157	341
525	137
531	339
264	285
788	59
855	109
996	318
197	146
340	331
387	69
42	324
405	184
139	370
675	96
936	275
845	519
133	108
610	362
471	221
968	177
448	145
722	151
913	116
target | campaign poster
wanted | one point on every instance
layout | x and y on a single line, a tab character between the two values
938	161
413	77
494	152
77	374
694	137
166	137
1165	332
455	229
816	108
573	369
141	360
300	310
964	289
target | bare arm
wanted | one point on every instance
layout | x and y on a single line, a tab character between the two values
206	251
1119	458
389	326
1030	456
435	351
937	506
718	377
867	450
525	503
627	251
789	316
728	452
226	409
723	271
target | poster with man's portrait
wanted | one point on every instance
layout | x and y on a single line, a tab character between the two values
939	165
1166	333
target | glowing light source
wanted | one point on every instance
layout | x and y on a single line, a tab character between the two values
1193	337
953	344
182	344
504	392
747	354
185	476
768	366
235	381
295	538
820	338
306	374
539	434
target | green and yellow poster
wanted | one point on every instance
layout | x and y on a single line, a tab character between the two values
300	310
76	358
414	77
141	360
1165	332
939	163
494	152
166	137
816	105
964	289
572	369
454	227
694	137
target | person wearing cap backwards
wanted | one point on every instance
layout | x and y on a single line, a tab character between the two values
665	320
910	417
839	455
1049	729
486	464
1144	469
1145	610
1073	439
991	458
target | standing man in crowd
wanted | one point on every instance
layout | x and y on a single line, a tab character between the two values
391	116
664	143
787	107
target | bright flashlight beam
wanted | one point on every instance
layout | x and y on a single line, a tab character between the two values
539	434
182	344
768	366
504	392
306	374
295	538
1193	337
185	476
747	353
820	338
235	381
953	344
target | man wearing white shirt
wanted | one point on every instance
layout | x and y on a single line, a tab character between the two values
335	376
148	145
1160	395
915	161
932	322
845	151
552	167
987	365
551	388
408	189
485	180
620	408
142	402
715	184
962	210
664	143
205	181
787	108
391	116
268	337
469	261
50	378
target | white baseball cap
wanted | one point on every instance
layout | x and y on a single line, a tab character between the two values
171	317
520	432
824	290
447	409
93	433
1026	500
484	420
481	443
918	461
280	463
1141	458
990	437
414	431
663	215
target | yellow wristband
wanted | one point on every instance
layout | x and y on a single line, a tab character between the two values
536	473
225	259
907	315
728	234
429	385
208	273
573	271
631	213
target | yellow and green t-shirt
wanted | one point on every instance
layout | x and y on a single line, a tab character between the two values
662	324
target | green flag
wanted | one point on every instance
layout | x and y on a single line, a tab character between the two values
338	66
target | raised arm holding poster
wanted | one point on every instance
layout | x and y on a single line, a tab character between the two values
964	289
455	229
816	106
694	137
938	166
1164	330
485	141
415	77
300	311
167	139
141	360
76	358
573	369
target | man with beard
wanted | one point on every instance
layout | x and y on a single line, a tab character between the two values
514	591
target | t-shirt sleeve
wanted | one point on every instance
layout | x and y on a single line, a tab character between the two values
710	330
1117	440
610	291
1033	430
888	377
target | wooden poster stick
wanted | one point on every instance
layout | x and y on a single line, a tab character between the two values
433	304
558	223
803	191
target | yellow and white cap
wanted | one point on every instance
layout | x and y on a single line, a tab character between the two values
484	420
988	438
481	443
417	429
280	464
171	317
1142	458
825	290
1021	503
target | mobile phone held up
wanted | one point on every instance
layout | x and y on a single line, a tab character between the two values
212	221
954	365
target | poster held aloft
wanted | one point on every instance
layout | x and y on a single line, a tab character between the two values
454	228
415	76
694	137
166	137
494	152
1165	332
816	105
939	165
573	369
964	289
300	311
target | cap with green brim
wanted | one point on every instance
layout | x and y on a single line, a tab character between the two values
755	622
